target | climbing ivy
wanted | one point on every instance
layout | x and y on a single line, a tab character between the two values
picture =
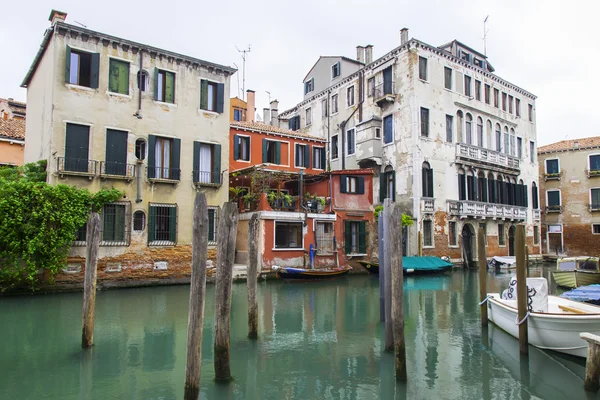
407	220
38	222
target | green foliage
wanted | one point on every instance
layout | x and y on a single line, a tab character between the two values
38	222
407	220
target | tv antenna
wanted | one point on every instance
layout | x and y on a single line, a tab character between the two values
238	79
79	23
485	32
244	55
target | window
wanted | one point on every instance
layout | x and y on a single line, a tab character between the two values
302	155
501	236
594	161
271	151
448	78
288	235
371	87
139	220
465	56
241	148
452	238
534	196
334	147
449	126
309	85
114	224
324	237
459	126
467	86
469	128
487	94
336	70
350	96
503	101
553	199
427	180
519	147
427	233
118	76
532	151
294	123
318	161
162	224
513	148
350	141
479	132
424	122
355	237
530	112
352	184
387	180
477	90
116	154
378	133
207	163
238	114
423	68
510	104
552	166
595	199
334	104
462	186
140	149
496	97
143	80
388	129
212	96
164	86
517	107
536	234
82	68
163	158
77	141
506	141
596	229
324	108
308	116
213	213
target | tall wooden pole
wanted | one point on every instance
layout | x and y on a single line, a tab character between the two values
197	294
252	278
397	278
420	243
387	265
89	285
482	275
380	230
527	258
521	288
225	257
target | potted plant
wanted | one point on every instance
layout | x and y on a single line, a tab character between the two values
274	199
288	200
248	199
321	202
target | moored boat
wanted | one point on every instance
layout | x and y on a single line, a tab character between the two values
573	272
416	265
372	267
289	273
501	262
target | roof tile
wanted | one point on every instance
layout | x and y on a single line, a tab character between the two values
13	128
570	144
258	126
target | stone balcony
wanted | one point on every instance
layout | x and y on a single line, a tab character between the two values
479	155
427	205
476	209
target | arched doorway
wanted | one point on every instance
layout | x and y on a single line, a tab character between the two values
511	241
468	233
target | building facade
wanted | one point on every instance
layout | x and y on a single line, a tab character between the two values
242	110
12	132
113	113
570	196
452	143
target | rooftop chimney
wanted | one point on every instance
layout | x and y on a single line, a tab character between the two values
403	36
267	116
250	106
56	15
360	54
369	54
274	113
576	144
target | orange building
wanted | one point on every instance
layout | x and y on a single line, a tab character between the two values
240	110
12	132
281	175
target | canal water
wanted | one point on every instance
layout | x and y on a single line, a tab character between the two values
319	340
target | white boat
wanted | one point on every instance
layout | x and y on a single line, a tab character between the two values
553	325
501	262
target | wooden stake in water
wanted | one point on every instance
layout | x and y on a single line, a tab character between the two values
397	278
225	257
592	363
89	285
387	265
521	288
381	269
482	275
197	294
420	243
252	278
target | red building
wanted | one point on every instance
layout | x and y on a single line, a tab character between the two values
281	175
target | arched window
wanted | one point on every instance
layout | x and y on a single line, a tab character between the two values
489	135
491	183
521	190
482	194
480	132
469	128
534	196
143	79
500	190
498	138
140	149
471	190
506	141
513	150
462	186
387	184
139	220
511	191
427	178
459	126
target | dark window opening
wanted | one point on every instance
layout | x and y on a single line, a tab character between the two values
139	220
424	122
334	147
423	68
427	233
288	235
140	149
80	68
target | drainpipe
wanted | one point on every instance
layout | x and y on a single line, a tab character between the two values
141	76
329	152
138	173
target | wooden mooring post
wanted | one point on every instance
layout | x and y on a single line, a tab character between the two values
89	285
521	288
381	269
592	363
482	276
197	294
226	236
397	277
252	277
387	265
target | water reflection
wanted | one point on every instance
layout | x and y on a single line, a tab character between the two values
316	340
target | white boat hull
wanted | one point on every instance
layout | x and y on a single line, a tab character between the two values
556	330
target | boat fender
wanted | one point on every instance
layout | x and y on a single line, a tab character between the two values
523	320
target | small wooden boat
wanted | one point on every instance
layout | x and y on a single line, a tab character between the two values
371	266
416	265
573	272
498	262
289	273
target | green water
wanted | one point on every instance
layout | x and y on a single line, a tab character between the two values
320	340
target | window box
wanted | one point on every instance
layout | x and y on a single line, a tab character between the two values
553	209
592	173
552	176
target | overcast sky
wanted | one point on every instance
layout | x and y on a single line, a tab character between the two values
547	47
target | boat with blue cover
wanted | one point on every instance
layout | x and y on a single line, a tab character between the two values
586	294
414	265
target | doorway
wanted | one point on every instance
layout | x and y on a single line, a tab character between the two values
511	241
467	245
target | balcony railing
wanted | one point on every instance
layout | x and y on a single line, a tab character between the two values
476	209
384	92
116	170
282	204
428	205
160	174
76	166
592	173
536	215
207	178
554	209
479	154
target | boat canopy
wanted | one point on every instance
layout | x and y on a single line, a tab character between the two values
537	292
425	263
583	293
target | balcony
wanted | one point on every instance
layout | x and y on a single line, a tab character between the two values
554	209
476	209
592	173
384	93
428	205
536	215
163	175
553	176
207	178
114	170
76	167
476	154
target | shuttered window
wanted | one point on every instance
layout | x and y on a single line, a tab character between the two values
553	198
448	78
427	233
271	151
294	123
387	186
115	224
116	153
335	70
352	184
213	213
595	163
164	86
350	141
334	147
302	155
162	224
77	144
163	158
241	148
318	161
207	163
427	181
388	129
212	96
118	76
423	68
355	237
552	166
462	187
449	128
82	68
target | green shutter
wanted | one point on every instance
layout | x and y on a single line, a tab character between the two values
211	224
173	224
382	186
362	237
348	237
296	155
170	87
343	184
68	65
118	77
151	156
361	185
203	94
216	172
236	147
151	223
220	97
307	156
113	76
156	73
430	182
77	147
322	158
277	152
265	143
196	166
175	157
393	194
116	152
95	70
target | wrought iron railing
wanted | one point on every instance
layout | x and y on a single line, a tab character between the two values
383	90
207	178
163	174
114	169
536	215
479	154
76	166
